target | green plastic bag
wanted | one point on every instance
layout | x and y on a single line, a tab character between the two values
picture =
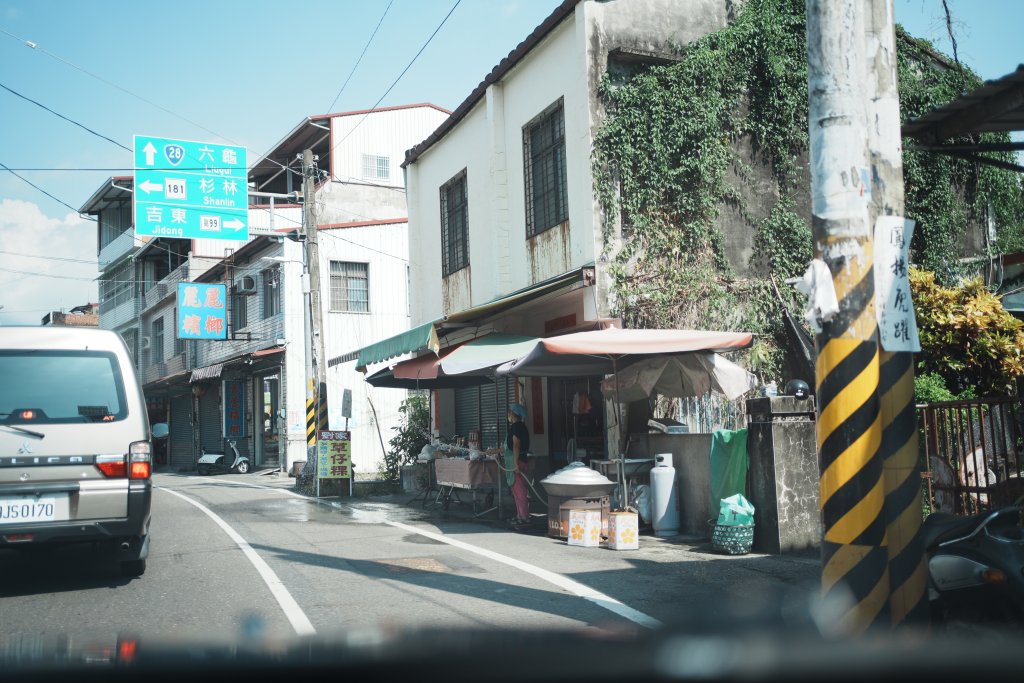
729	463
735	511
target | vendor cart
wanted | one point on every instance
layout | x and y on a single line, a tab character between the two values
462	474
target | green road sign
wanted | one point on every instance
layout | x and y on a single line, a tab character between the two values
190	190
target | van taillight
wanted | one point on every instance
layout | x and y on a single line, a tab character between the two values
140	457
112	466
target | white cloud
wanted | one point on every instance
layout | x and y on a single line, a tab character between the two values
509	9
25	229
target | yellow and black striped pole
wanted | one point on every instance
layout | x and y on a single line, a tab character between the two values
908	573
311	413
855	566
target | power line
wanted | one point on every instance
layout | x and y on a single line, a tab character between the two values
361	55
59	201
391	87
61	116
50	258
362	246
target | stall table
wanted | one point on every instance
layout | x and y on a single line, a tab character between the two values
476	476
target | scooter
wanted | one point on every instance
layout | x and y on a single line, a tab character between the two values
975	567
217	462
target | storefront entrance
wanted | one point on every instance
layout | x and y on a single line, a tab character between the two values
576	415
268	402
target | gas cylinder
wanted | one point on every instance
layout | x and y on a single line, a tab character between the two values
664	497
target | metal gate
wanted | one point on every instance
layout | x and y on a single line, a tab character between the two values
180	451
467	410
972	454
493	414
209	419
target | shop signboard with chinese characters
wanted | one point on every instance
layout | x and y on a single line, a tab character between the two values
190	190
234	409
334	455
897	327
201	311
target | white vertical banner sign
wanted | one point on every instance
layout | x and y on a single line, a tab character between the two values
897	327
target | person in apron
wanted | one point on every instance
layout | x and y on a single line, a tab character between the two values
517	445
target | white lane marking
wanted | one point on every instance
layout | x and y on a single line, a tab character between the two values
598	598
299	621
563	582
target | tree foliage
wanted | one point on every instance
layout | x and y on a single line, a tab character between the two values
411	435
967	338
674	152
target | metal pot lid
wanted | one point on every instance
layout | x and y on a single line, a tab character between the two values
577	474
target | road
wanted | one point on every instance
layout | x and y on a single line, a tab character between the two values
233	559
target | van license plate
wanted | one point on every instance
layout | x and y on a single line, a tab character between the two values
52	507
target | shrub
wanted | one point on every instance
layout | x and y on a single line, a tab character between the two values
410	436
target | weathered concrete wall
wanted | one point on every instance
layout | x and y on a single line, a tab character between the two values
691	456
783	474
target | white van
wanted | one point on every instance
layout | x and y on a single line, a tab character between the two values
75	443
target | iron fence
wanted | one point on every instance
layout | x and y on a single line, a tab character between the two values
971	454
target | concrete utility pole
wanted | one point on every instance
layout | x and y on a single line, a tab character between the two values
855	562
908	573
315	361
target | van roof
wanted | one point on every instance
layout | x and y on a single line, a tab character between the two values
38	337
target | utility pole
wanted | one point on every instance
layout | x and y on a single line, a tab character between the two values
855	562
908	573
314	327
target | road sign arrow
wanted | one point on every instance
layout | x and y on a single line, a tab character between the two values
147	186
234	224
150	151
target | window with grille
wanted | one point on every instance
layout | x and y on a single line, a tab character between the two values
547	202
116	287
271	293
157	341
179	344
350	287
239	310
454	225
376	167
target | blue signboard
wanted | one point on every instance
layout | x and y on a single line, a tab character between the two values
234	409
202	313
190	190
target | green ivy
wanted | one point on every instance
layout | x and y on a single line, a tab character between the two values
672	155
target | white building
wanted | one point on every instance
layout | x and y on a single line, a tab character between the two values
504	222
261	366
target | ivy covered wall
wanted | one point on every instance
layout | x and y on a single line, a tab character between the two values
701	168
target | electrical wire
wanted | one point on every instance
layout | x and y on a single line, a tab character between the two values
59	201
361	55
50	258
61	116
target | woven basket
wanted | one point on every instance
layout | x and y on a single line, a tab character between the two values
732	540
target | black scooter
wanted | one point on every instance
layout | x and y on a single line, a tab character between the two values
975	567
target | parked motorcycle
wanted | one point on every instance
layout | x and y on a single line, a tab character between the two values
210	463
976	567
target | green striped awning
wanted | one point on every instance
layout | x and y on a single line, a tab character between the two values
417	339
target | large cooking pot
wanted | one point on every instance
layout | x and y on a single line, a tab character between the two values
576	480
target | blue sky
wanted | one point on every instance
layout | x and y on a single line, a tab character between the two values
246	72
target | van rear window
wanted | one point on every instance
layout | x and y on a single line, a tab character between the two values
60	387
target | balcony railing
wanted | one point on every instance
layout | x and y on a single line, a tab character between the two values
121	245
166	286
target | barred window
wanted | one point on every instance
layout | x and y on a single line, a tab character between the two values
271	292
350	287
454	225
116	287
179	344
157	332
376	167
547	202
239	309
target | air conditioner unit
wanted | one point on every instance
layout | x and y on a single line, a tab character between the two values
144	342
247	285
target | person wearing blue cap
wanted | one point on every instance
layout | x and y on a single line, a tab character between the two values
517	445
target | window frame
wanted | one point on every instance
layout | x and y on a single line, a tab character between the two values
239	310
270	280
450	261
375	162
156	346
336	300
552	157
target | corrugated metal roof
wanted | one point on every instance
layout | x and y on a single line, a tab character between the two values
996	107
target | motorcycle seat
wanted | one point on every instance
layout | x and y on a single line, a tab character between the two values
943	526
